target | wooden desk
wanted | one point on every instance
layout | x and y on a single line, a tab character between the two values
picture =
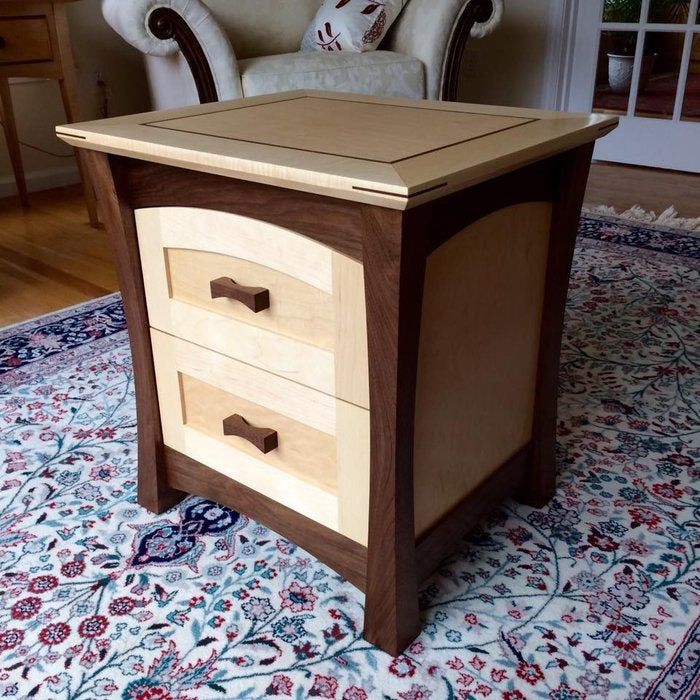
345	315
35	43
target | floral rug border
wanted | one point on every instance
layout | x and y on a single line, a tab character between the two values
681	677
650	237
64	331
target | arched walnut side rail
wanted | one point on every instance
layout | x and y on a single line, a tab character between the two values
165	23
475	11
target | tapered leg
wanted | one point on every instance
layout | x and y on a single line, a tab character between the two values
394	268
153	490
572	177
13	146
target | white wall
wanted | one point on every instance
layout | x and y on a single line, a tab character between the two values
37	103
511	63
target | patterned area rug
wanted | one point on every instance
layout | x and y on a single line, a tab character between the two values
595	596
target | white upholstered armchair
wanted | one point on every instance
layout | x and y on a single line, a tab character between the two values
196	52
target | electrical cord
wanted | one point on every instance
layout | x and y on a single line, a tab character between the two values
104	111
43	150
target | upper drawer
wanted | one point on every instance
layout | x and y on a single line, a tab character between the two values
24	40
279	300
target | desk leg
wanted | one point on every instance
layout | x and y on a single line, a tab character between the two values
572	177
13	147
71	103
394	272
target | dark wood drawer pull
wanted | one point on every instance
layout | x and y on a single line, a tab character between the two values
262	438
255	298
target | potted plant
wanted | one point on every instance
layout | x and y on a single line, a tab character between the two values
623	43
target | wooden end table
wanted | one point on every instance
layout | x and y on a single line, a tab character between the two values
345	315
35	43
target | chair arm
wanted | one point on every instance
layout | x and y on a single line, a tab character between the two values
166	27
436	31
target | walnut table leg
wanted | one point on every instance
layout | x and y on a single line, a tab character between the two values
394	270
153	490
568	198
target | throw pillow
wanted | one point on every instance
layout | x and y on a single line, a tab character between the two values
351	25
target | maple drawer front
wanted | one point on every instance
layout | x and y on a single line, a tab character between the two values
258	293
24	40
300	447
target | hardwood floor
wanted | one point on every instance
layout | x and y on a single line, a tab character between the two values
50	258
623	186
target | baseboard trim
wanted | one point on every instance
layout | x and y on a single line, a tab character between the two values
41	180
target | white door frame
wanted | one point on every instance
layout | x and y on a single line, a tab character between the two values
561	34
640	140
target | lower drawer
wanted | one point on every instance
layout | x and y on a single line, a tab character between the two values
305	449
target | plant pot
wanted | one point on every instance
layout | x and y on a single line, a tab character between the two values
620	69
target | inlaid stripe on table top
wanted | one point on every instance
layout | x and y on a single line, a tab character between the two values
361	130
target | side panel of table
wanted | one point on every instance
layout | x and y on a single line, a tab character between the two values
397	251
477	364
529	475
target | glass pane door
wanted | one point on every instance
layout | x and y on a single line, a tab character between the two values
640	59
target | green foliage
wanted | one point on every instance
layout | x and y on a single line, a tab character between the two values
622	10
670	11
661	10
628	12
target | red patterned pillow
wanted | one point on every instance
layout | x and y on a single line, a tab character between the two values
350	25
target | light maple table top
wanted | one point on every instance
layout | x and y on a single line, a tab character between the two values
392	152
